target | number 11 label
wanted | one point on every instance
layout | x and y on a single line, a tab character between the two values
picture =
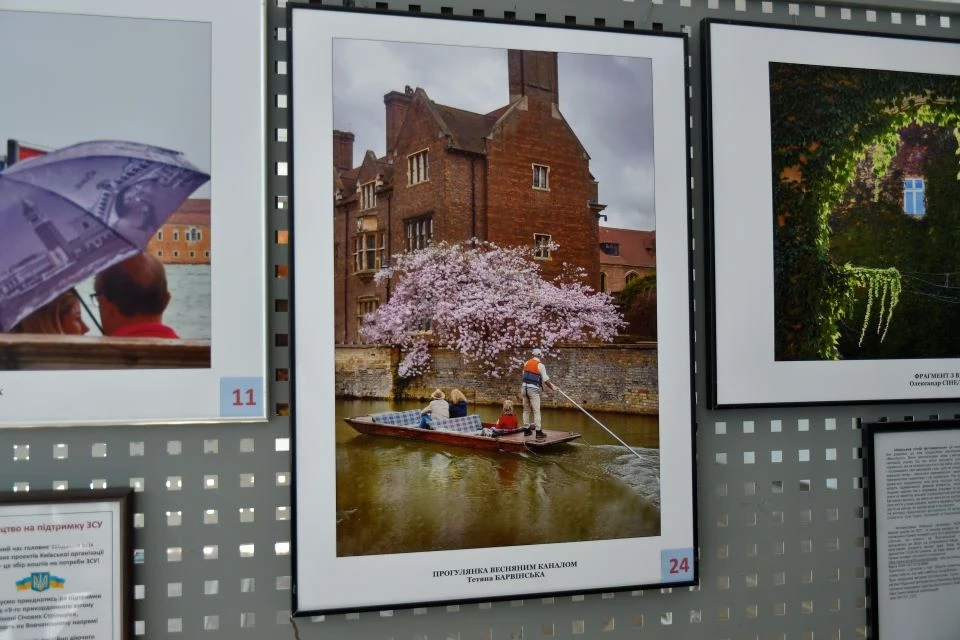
676	565
241	397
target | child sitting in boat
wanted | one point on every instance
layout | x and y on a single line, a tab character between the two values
507	419
506	423
438	409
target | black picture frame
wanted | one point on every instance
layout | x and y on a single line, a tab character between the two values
49	522
776	267
325	582
893	604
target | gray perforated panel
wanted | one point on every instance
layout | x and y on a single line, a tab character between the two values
780	492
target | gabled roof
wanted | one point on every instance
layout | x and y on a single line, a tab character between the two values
467	129
637	248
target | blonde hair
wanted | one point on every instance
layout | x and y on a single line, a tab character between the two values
508	406
49	317
456	396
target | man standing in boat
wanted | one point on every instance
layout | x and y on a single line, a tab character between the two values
534	378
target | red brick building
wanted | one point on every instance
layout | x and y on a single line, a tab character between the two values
515	176
185	237
625	254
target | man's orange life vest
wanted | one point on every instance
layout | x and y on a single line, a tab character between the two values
531	372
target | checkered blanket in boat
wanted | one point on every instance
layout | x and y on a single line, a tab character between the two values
466	424
410	418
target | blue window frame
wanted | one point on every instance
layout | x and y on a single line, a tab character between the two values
913	200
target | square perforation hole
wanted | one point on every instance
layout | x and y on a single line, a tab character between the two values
137	484
211	481
174	518
283	479
283	513
60	485
174	483
137	449
246	514
211	446
211	587
247	445
98	483
211	552
61	452
174	447
246	480
21	452
210	516
98	450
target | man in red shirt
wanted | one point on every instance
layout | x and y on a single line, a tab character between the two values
132	296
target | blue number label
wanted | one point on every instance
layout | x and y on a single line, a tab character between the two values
241	397
676	565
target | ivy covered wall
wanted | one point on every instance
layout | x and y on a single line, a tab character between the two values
824	120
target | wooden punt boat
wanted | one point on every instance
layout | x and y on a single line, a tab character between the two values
512	442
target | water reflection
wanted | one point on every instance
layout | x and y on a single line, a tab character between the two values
398	496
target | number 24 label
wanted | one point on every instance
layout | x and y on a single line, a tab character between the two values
676	565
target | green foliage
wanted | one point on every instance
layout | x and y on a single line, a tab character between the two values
638	303
640	287
923	250
824	120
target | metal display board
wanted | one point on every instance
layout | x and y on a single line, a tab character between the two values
780	499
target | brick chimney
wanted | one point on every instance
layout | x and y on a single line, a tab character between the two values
397	104
533	74
342	150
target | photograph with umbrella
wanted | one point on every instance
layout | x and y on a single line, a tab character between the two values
133	238
71	214
105	226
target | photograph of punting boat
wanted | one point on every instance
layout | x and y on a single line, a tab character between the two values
494	243
492	354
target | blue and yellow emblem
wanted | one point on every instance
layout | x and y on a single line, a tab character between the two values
40	581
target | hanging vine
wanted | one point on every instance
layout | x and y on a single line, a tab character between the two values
884	285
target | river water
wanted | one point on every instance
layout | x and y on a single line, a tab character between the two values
189	310
399	496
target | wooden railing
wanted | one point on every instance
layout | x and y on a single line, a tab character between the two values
35	352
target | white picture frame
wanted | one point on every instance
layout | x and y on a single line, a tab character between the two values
744	367
229	67
326	582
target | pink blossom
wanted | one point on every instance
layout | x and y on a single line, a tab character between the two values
485	302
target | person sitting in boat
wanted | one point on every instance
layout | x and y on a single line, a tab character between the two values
534	378
507	420
438	409
458	404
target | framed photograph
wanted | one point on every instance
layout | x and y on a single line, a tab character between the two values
132	225
913	527
65	564
832	176
492	391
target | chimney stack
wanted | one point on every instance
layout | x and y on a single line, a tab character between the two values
533	74
397	104
342	150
